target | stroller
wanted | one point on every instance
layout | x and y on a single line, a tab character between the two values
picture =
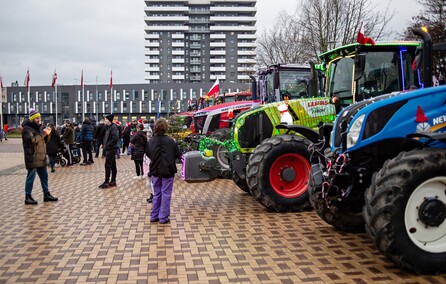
62	155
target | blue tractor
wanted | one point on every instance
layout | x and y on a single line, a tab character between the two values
385	171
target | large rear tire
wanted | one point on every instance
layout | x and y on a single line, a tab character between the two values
278	173
405	210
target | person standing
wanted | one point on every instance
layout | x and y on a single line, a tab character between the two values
5	130
52	146
139	142
126	138
86	138
110	147
34	148
99	138
68	139
162	151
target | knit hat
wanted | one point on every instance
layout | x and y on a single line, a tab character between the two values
110	117
33	114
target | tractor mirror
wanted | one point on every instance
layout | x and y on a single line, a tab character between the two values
359	66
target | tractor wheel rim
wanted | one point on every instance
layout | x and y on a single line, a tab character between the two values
424	215
289	175
222	156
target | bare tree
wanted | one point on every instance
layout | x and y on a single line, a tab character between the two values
282	43
320	25
432	16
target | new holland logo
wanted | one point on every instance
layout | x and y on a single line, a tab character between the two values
423	125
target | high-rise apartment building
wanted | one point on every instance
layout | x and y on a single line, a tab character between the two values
198	41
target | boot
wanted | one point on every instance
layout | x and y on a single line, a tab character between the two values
150	199
30	200
48	197
52	169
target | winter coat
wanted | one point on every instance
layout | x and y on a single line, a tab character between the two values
53	143
126	135
111	137
100	133
68	134
162	151
139	142
34	146
87	132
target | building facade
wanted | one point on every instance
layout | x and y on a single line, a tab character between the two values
128	102
199	40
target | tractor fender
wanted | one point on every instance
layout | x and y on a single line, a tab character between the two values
306	132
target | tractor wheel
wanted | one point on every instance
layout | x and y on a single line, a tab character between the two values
405	210
345	221
241	183
221	153
278	173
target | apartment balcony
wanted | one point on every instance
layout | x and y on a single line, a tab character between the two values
152	77
218	36
243	77
195	78
195	46
246	61
195	54
233	19
177	44
178	60
178	77
195	70
151	52
233	9
178	69
218	44
218	52
152	36
166	28
166	9
246	52
151	60
217	60
198	29
232	28
152	44
217	69
166	19
177	52
247	36
246	69
195	62
152	69
247	44
177	36
198	11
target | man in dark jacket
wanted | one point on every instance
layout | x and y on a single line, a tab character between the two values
34	149
68	139
86	138
99	134
162	151
110	146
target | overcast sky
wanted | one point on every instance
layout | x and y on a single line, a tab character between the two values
100	35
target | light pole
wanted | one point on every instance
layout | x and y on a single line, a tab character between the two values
97	100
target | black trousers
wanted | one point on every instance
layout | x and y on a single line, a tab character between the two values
110	165
139	168
87	151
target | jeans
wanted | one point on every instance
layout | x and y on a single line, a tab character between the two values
162	194
52	160
43	175
139	167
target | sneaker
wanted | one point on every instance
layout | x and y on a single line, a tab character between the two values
150	199
104	185
53	170
112	184
136	177
153	220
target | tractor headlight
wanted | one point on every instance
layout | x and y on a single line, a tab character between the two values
353	133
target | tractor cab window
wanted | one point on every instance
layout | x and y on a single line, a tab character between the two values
294	82
199	123
341	79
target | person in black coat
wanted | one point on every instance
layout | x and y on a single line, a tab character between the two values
34	148
99	134
53	145
126	138
110	146
139	142
162	151
86	139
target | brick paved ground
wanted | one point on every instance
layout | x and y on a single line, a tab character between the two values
217	234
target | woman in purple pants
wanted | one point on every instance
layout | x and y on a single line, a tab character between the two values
162	151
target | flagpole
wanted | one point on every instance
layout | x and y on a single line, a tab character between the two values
1	103
55	85
83	103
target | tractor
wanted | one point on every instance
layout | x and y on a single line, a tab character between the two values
384	169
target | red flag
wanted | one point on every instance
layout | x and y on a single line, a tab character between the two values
111	79
361	38
27	78
54	79
82	78
215	90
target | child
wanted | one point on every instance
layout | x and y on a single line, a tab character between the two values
146	168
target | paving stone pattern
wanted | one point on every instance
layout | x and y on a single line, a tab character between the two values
217	234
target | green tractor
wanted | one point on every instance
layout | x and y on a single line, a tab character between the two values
271	159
